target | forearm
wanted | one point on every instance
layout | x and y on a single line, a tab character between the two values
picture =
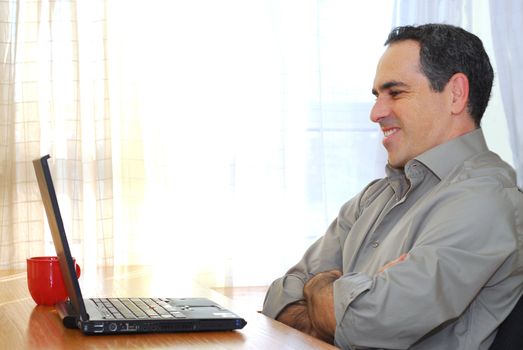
315	314
318	294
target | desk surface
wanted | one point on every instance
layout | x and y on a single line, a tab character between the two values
24	325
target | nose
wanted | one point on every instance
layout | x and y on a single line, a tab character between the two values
380	110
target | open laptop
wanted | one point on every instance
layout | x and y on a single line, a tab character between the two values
123	315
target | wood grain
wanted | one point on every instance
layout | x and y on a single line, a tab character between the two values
24	325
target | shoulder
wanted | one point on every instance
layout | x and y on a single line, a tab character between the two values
488	167
486	178
479	196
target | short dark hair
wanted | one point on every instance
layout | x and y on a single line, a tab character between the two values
446	50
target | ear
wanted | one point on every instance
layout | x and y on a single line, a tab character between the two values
459	89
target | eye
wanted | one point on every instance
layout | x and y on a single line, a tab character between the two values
395	93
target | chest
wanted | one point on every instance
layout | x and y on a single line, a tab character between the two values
386	229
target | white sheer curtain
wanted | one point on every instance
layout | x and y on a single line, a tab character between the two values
457	12
507	29
53	100
211	138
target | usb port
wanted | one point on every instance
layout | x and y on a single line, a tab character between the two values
98	327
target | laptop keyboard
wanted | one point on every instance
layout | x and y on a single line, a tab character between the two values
136	308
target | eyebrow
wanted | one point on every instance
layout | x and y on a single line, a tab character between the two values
388	85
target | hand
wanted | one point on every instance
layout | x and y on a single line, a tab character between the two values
319	295
296	316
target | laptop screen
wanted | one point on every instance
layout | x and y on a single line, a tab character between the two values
47	191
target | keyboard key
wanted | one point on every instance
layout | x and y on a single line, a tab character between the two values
131	308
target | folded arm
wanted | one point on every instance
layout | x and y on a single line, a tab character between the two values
315	315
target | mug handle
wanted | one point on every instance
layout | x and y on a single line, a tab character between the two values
78	271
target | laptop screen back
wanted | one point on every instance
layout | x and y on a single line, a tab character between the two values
47	191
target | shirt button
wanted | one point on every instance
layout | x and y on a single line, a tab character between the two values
375	244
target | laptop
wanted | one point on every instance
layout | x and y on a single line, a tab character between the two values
123	315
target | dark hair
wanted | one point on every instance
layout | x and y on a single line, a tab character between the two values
446	50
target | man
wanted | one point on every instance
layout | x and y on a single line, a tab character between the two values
429	257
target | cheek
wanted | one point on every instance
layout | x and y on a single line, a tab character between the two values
424	117
429	128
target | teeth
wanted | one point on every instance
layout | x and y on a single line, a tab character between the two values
389	132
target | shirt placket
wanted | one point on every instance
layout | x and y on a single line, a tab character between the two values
414	175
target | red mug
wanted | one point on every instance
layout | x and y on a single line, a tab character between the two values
44	279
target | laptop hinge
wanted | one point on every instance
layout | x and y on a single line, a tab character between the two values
67	314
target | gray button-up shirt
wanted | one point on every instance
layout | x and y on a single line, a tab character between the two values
458	214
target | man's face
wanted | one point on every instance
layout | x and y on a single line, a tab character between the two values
412	116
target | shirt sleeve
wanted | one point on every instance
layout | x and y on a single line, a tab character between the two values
465	244
324	255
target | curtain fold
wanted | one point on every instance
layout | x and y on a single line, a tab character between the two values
7	132
20	229
507	27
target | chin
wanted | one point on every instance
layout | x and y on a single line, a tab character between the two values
396	164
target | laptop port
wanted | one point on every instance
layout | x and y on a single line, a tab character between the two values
130	327
98	327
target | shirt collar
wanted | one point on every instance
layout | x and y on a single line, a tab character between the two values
440	160
397	180
445	157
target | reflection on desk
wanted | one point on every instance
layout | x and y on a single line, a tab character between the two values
24	325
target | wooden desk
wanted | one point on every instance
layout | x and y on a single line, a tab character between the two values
24	325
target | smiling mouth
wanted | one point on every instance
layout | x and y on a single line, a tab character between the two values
389	132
